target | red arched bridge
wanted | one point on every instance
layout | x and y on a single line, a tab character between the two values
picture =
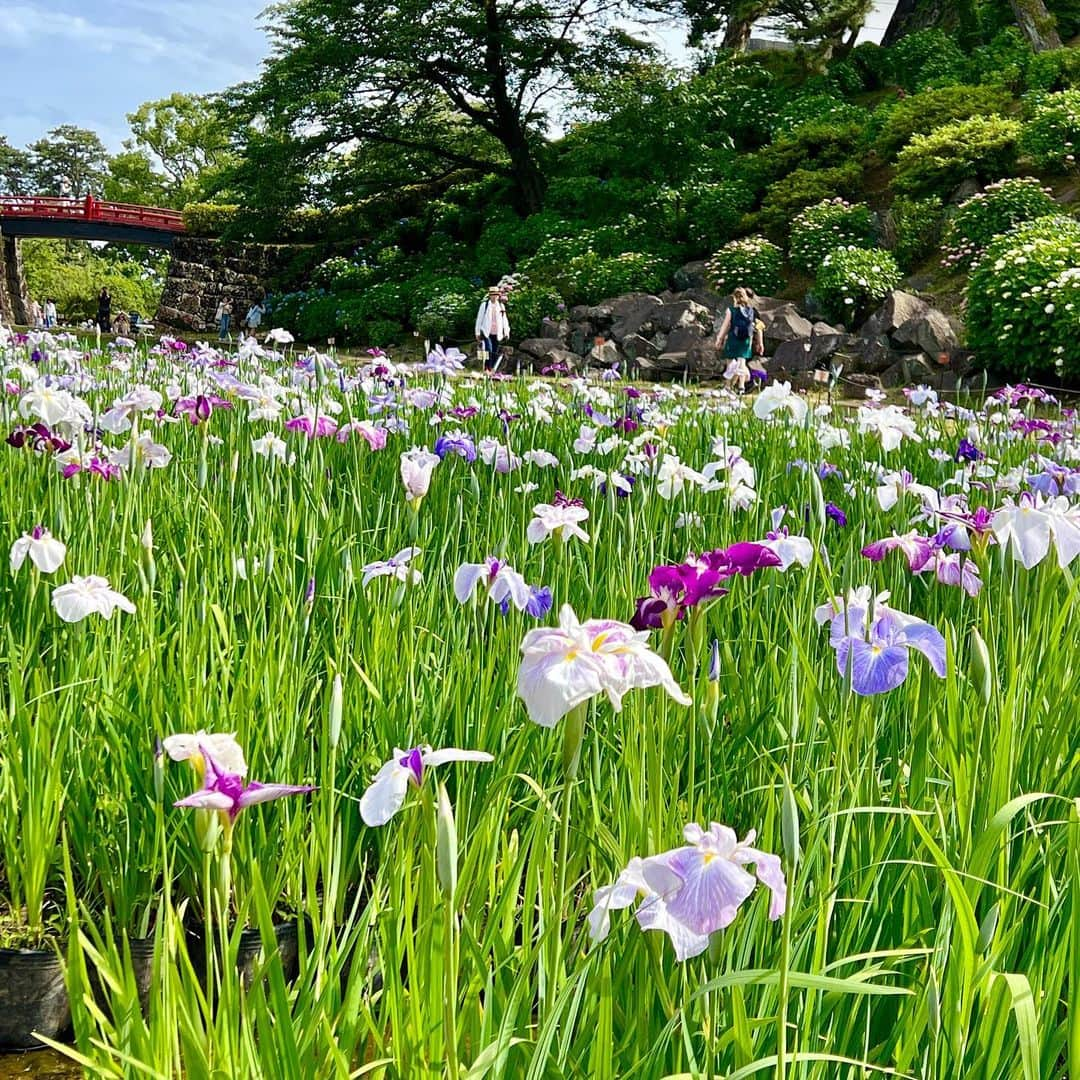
88	218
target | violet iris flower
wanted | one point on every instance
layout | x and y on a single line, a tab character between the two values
834	513
876	640
228	793
968	451
456	442
504	585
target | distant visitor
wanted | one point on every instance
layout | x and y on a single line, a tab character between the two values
492	327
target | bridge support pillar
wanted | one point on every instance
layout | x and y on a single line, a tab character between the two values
14	303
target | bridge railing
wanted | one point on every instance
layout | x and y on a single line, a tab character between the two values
90	209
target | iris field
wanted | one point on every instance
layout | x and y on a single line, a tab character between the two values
813	815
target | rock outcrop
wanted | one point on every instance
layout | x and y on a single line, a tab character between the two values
672	335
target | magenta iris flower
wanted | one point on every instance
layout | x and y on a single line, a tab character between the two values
227	792
674	589
314	427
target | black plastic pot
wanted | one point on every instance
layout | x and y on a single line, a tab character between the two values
142	965
33	997
250	949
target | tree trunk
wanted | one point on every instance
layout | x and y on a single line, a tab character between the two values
1036	24
911	15
737	34
529	183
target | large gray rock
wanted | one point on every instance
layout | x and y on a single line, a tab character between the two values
684	338
691	276
898	308
856	384
705	360
931	332
708	299
629	318
785	324
872	355
672	365
540	347
792	356
637	346
678	315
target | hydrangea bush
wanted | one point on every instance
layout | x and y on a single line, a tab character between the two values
927	57
828	225
999	208
1023	300
1051	137
753	262
852	280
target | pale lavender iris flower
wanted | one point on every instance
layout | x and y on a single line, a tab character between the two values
692	891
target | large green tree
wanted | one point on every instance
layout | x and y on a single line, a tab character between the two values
16	170
348	74
184	137
69	161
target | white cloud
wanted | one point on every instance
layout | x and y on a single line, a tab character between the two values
29	25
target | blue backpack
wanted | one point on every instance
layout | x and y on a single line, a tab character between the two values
742	323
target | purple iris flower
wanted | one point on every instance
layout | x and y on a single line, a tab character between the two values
966	450
917	549
632	392
961	530
620	492
876	640
228	793
826	469
834	513
538	604
566	500
464	412
456	442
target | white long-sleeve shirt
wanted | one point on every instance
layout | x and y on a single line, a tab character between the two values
491	320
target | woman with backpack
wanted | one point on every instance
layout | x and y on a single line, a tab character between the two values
739	338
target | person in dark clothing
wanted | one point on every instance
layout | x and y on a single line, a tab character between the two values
104	311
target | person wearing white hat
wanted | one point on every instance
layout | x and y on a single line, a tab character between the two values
492	325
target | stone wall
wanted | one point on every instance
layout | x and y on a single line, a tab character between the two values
202	272
14	304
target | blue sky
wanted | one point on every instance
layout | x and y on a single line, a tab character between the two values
91	62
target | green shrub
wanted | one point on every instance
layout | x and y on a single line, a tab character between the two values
443	307
1004	60
981	148
591	277
324	274
922	113
805	187
1001	207
380	332
1055	69
1051	138
317	316
926	57
528	306
1023	300
873	63
914	227
847	78
819	144
745	94
853	280
209	219
752	262
828	225
714	212
820	109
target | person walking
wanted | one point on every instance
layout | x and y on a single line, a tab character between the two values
253	319
492	326
223	315
104	311
50	313
37	317
739	338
